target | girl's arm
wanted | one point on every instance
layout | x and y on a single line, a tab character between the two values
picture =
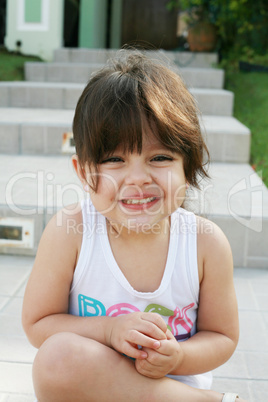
217	322
217	325
45	306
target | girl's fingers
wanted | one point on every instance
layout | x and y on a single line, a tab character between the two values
150	329
155	319
155	359
134	352
169	335
138	338
166	348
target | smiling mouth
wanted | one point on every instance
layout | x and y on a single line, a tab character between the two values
135	201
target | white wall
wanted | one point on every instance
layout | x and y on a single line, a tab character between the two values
38	39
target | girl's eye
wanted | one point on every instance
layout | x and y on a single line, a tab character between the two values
112	159
162	158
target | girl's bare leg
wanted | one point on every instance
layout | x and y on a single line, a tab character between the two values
69	367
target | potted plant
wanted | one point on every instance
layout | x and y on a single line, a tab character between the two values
200	19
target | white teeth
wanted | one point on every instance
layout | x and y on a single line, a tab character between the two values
143	201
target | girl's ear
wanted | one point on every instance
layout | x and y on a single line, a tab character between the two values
80	171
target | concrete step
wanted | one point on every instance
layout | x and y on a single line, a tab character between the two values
210	78
35	131
227	139
193	59
80	73
39	95
83	55
41	131
217	102
59	72
237	200
33	188
182	59
65	96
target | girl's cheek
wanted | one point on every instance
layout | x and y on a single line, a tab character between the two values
108	183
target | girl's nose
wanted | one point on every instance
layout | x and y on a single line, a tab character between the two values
138	174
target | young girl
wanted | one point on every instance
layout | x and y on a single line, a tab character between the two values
131	297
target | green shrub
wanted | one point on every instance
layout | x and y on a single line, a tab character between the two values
242	25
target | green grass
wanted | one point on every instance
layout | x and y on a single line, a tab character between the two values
11	65
251	109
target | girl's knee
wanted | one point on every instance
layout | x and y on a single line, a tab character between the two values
59	362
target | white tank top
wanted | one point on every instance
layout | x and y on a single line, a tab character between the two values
100	288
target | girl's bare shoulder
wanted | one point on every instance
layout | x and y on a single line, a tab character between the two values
61	234
209	233
213	248
65	221
53	269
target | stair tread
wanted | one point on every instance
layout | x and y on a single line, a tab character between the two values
79	72
223	124
182	58
230	191
38	84
65	95
32	116
73	65
47	84
20	174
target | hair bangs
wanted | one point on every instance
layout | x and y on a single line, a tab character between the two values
121	128
116	118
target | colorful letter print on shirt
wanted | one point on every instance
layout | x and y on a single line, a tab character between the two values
181	319
89	307
179	322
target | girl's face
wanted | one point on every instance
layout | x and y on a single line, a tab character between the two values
139	191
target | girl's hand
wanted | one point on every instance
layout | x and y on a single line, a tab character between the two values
161	361
130	331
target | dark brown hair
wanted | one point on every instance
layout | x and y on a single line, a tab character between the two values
112	108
